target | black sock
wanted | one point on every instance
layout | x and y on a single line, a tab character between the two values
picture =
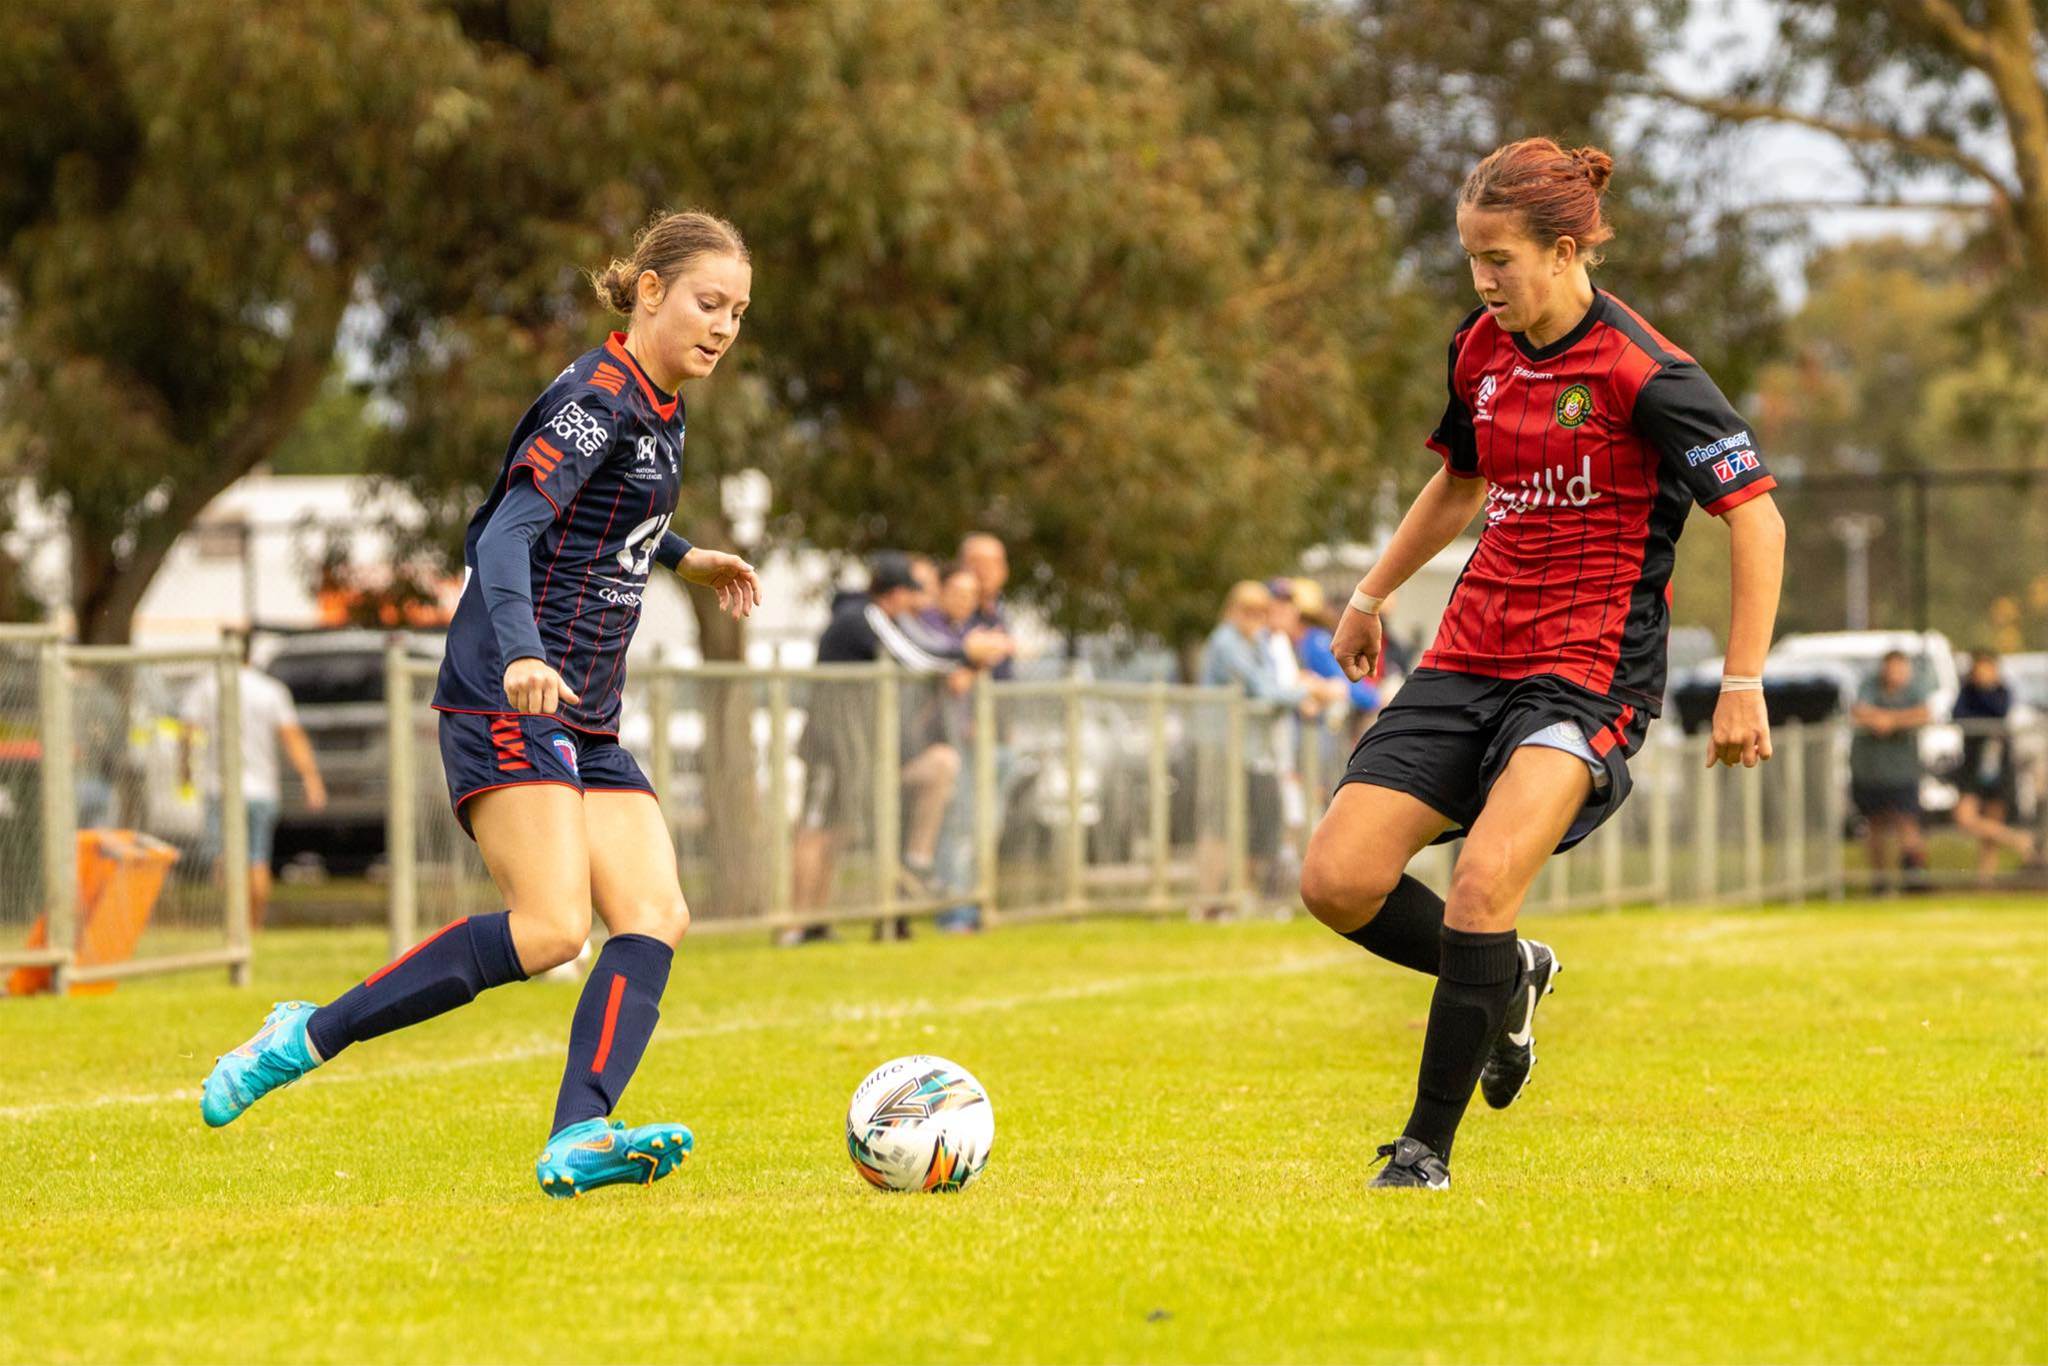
614	1019
443	971
1475	980
1409	928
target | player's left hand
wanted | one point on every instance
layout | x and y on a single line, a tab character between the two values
1742	731
729	576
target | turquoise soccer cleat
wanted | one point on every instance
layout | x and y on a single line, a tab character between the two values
599	1153
278	1055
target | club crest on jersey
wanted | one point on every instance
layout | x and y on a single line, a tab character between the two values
1483	397
566	749
1574	406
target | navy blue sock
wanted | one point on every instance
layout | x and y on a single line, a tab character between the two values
614	1019
1475	978
439	973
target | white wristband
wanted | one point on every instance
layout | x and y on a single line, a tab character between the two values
1365	602
1741	683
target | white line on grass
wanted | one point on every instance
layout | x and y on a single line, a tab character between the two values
875	1012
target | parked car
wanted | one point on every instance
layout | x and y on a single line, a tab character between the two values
336	680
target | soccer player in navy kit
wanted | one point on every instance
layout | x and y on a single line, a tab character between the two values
1586	437
558	558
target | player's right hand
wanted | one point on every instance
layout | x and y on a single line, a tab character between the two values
534	688
1356	643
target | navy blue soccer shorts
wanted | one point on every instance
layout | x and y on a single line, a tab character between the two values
480	753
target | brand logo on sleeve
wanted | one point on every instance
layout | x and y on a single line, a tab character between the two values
1574	406
1742	462
1700	455
579	429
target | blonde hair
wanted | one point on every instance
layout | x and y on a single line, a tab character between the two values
668	243
1247	595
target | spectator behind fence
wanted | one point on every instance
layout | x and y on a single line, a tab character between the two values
268	717
1311	635
1358	701
952	619
837	747
1235	656
1987	784
1322	698
1884	765
988	559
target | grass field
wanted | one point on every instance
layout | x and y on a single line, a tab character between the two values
1784	1135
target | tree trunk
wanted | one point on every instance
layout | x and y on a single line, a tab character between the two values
2011	65
106	588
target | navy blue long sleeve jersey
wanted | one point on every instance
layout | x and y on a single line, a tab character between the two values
562	577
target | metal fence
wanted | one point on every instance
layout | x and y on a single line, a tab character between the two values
803	797
842	793
837	795
111	862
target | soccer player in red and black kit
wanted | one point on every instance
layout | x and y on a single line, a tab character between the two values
1586	437
558	558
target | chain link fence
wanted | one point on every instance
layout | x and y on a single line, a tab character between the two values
122	813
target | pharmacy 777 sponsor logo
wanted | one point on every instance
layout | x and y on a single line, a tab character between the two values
1736	464
1714	450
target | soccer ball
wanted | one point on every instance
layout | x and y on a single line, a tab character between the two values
920	1124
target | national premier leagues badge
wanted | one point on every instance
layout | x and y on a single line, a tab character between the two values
1574	406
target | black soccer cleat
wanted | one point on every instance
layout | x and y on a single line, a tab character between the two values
1411	1162
1514	1052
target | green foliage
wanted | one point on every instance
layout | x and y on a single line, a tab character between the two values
1071	273
198	189
1157	291
1724	1156
1900	361
333	437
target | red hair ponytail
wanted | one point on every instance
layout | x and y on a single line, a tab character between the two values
1556	192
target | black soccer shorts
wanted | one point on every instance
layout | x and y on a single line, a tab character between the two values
1447	737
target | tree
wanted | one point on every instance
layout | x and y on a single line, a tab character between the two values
1953	87
1890	372
192	197
1072	272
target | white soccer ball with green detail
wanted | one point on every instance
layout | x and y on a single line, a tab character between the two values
920	1124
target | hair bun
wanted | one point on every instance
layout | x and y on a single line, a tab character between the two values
1598	166
615	286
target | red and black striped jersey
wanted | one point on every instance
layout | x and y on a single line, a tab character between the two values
1594	448
605	447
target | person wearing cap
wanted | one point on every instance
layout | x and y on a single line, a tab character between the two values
837	743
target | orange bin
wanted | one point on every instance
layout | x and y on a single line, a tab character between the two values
120	875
